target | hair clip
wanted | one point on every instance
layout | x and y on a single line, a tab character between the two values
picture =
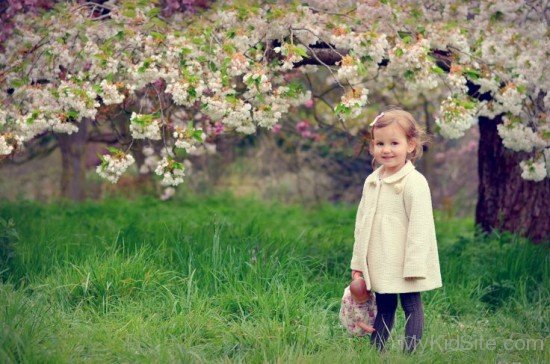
376	118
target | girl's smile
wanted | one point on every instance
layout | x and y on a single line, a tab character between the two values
390	148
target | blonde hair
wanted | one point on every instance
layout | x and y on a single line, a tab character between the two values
413	131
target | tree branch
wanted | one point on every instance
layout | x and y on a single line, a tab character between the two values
39	148
109	138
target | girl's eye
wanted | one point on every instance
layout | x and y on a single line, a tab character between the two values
395	143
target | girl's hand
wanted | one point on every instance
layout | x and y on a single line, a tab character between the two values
356	274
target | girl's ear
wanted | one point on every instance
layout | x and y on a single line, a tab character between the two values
411	147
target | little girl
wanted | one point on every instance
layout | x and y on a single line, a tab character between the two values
395	247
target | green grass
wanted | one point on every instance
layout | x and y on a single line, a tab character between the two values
203	279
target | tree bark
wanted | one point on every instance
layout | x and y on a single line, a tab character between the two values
428	156
73	153
506	201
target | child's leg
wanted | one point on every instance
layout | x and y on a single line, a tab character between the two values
386	304
414	318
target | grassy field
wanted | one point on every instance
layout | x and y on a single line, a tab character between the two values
219	279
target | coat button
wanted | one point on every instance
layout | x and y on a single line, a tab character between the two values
398	188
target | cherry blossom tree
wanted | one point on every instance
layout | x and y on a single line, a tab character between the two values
73	146
482	61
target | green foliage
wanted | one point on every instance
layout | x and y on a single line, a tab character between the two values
215	278
8	239
342	109
438	70
295	88
409	74
471	73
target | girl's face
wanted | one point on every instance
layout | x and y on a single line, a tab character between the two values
390	147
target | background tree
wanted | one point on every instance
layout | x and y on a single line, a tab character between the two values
479	60
73	147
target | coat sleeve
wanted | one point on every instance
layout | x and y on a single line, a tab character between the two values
420	229
358	246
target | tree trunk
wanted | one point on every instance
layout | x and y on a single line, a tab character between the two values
507	201
73	153
428	157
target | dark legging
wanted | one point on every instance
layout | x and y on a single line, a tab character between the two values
386	304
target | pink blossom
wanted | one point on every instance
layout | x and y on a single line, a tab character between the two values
218	128
302	126
276	128
309	103
307	134
159	84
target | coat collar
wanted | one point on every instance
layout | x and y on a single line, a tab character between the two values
406	169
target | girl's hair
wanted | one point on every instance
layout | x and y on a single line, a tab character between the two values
408	124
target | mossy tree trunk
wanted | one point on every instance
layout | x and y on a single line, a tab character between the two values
506	201
73	162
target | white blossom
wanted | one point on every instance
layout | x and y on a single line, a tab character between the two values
239	65
511	99
292	55
144	127
3	117
5	148
518	137
486	85
349	69
455	117
239	117
184	93
172	172
411	62
188	138
110	94
352	103
113	166
78	99
533	169
457	82
257	82
66	127
168	193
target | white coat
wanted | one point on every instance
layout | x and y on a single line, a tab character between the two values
395	233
